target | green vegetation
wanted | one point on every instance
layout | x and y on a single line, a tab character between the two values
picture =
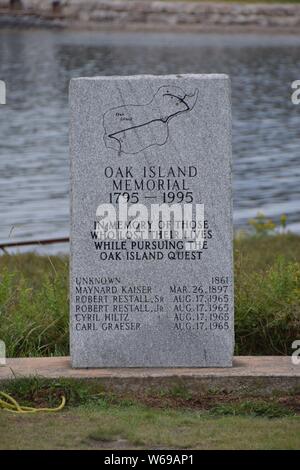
44	392
95	419
267	295
254	408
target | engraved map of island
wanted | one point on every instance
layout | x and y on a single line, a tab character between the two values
131	128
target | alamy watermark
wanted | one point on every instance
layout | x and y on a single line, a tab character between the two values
2	92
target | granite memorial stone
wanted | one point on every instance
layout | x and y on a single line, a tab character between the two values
151	221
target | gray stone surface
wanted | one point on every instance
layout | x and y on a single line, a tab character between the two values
161	310
155	15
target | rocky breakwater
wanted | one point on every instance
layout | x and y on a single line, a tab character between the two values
155	15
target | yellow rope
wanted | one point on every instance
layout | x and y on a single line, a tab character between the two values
10	404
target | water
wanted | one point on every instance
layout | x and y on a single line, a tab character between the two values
37	66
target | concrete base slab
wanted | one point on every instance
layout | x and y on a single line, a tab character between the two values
255	374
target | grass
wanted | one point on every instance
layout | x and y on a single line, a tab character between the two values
267	294
34	305
34	322
34	299
252	408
